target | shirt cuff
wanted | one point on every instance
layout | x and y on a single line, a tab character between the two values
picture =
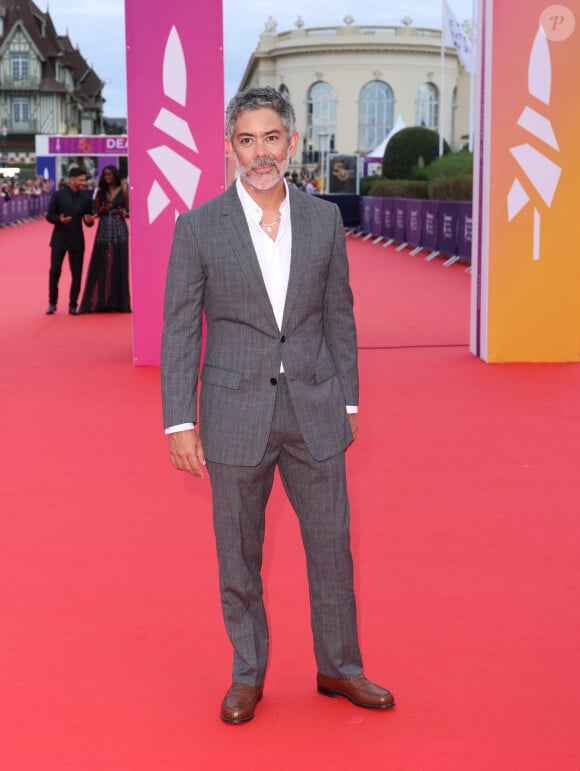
351	409
180	427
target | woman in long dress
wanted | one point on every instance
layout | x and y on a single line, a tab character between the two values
107	284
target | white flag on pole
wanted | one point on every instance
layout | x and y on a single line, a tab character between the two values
455	35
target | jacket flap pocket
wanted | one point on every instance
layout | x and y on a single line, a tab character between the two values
220	377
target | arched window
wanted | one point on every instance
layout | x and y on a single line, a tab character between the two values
320	122
427	106
375	115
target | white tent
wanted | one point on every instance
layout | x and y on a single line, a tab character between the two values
378	152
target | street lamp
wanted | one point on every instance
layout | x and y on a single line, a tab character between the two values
322	137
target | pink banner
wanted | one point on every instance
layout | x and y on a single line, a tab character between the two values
87	145
175	89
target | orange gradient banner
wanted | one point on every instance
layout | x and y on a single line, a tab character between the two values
526	266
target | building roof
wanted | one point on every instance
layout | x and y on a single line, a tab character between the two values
51	47
37	24
339	40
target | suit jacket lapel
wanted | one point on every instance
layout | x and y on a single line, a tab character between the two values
238	232
302	234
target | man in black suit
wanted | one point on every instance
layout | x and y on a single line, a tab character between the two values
67	210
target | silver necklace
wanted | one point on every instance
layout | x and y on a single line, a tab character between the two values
269	226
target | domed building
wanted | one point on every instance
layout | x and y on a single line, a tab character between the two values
350	84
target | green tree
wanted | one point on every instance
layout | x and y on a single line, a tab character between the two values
409	149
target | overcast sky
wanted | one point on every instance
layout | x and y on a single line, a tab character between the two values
98	30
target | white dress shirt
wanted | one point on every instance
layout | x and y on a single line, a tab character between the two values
273	254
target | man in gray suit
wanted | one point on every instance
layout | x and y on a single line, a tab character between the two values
279	388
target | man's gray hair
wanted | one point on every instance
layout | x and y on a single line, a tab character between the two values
255	98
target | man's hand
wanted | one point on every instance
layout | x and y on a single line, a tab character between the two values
64	220
186	452
353	420
89	220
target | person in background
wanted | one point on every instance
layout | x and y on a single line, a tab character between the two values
107	284
267	266
68	209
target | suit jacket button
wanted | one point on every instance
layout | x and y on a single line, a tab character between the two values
283	339
273	381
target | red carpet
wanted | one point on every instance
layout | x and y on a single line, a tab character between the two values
465	499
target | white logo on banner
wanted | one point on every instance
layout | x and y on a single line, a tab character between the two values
542	172
182	174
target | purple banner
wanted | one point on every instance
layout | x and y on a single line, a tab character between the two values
414	222
445	226
23	207
106	160
388	222
46	167
88	145
377	221
465	231
400	219
448	222
430	236
366	213
372	166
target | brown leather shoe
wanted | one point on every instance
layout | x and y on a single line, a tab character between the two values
358	689
239	702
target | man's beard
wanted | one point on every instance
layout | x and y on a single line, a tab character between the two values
267	181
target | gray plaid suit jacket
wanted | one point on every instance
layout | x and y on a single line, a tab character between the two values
214	270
